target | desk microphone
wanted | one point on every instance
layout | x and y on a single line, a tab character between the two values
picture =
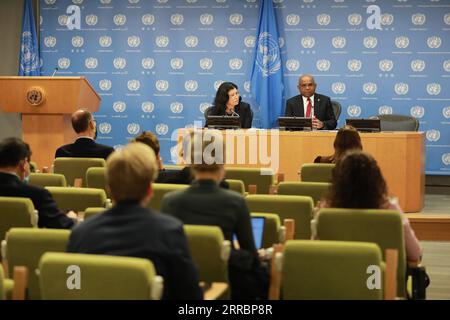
234	113
54	72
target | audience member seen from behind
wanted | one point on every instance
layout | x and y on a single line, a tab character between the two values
358	183
130	229
228	102
84	146
347	138
15	156
205	203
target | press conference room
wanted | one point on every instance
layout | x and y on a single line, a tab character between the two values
233	150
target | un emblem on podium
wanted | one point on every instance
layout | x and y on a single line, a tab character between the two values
35	96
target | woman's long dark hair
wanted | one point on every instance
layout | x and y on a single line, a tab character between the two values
357	183
347	139
220	102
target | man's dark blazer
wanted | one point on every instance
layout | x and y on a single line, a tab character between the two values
84	148
182	176
244	111
323	110
49	214
130	230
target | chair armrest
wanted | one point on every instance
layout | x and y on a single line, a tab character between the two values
214	291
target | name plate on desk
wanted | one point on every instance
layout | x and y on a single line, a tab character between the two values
295	123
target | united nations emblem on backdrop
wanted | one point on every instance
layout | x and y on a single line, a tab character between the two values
434	42
292	19
354	19
133	128
433	89
50	2
63	63
105	1
162	85
417	111
308	42
119	106
148	19
268	57
386	65
236	19
206	19
162	129
62	20
217	84
206	63
77	41
402	42
176	107
176	19
370	42
338	42
91	63
281	42
148	63
323	65
247	86
446	112
49	41
134	41
147	107
176	63
191	41
250	41
323	19
119	19
370	88
385	110
433	135
105	41
235	64
221	41
191	85
401	88
354	65
418	19
133	85
105	84
91	20
387	19
417	65
162	41
104	128
446	65
203	106
77	1
446	159
292	65
354	111
338	87
119	63
447	19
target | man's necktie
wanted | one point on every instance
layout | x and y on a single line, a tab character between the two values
308	108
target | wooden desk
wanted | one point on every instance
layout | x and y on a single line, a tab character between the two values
400	155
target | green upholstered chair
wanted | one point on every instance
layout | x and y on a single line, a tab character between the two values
335	270
16	212
78	199
47	180
159	190
383	227
316	172
210	252
96	178
236	185
92	211
173	167
263	178
101	277
315	190
272	228
75	168
298	208
25	246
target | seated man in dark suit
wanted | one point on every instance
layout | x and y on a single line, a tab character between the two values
130	229
14	170
85	146
311	104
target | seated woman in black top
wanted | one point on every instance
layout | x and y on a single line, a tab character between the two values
228	102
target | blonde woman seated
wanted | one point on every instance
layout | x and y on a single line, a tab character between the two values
358	183
347	138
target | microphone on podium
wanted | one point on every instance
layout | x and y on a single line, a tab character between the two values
54	72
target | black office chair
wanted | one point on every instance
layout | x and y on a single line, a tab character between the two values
397	122
337	108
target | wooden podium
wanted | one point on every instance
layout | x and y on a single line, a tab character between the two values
46	104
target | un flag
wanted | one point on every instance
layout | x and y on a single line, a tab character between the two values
29	51
267	73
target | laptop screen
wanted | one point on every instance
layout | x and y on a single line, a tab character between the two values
258	231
